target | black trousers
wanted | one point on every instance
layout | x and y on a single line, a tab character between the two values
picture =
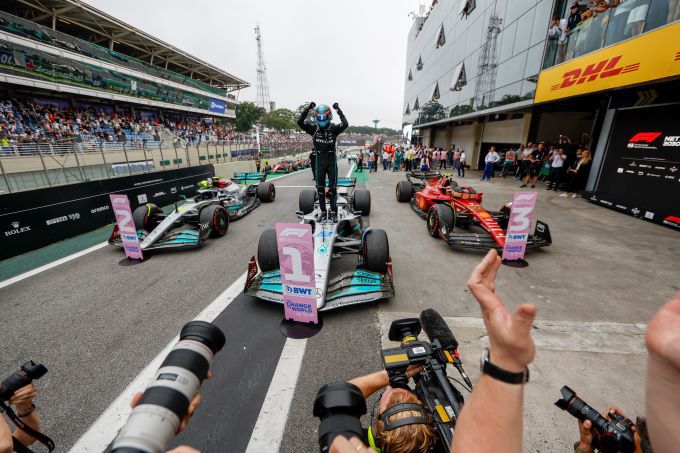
312	163
326	166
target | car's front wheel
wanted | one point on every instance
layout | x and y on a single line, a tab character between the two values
268	251
217	219
439	220
376	251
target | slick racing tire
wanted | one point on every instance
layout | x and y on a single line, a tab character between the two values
376	251
404	191
268	251
362	201
217	219
306	200
439	220
266	192
144	217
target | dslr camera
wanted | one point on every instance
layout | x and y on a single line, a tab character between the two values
609	436
21	378
339	406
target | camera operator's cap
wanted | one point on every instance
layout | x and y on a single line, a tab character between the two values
423	419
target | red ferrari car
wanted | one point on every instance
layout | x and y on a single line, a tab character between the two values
285	166
455	213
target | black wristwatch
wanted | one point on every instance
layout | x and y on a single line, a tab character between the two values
499	373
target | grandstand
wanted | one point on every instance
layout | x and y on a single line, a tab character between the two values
67	46
83	93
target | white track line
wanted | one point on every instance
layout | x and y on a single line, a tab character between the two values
66	259
101	432
271	422
47	266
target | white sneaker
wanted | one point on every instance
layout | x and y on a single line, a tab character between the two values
574	196
563	194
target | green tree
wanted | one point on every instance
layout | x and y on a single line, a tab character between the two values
281	119
247	114
432	111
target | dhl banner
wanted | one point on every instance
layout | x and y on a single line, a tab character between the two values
652	56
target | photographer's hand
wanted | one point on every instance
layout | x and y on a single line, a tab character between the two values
342	445
22	399
663	377
586	437
512	348
195	402
510	343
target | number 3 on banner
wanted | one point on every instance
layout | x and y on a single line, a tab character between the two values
296	262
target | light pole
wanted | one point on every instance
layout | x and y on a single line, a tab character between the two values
375	124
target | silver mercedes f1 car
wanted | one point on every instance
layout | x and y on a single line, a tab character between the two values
370	281
191	223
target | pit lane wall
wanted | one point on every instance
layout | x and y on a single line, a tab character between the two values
36	218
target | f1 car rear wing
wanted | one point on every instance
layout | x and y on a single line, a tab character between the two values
244	177
422	175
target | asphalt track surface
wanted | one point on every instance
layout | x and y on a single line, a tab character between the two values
96	324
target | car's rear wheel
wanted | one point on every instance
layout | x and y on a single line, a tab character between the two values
376	251
362	201
268	251
404	191
266	192
145	217
439	220
217	219
306	200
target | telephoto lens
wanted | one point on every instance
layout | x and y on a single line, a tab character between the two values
339	407
155	419
580	409
21	378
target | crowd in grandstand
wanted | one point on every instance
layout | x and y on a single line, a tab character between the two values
28	121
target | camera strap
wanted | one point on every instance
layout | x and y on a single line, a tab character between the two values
40	437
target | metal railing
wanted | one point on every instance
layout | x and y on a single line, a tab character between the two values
628	19
28	166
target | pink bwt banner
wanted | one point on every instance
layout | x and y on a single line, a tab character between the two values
519	225
296	260
126	226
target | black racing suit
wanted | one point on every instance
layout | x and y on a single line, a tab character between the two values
325	162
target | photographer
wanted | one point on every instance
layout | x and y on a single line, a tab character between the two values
22	402
415	437
641	437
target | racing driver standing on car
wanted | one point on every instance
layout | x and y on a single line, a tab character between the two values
324	135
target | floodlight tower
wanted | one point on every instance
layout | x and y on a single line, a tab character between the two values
262	85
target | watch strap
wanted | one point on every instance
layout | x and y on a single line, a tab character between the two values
499	373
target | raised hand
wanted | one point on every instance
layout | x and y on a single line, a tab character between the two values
510	343
336	106
663	334
312	104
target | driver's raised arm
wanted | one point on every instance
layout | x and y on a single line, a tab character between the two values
303	116
344	124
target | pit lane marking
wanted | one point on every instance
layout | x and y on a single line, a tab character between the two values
101	433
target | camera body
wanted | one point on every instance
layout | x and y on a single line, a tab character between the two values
432	386
609	436
21	378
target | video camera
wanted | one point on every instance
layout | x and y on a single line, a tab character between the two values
339	406
432	385
609	436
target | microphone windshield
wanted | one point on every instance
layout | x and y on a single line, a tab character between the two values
436	329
